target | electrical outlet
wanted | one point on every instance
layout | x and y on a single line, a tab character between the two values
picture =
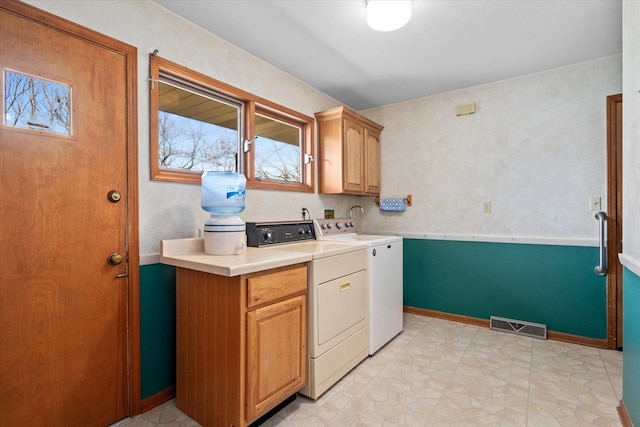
596	203
486	207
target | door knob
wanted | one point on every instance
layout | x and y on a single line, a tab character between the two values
115	259
114	196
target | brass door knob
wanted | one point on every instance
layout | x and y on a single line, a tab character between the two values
115	259
114	196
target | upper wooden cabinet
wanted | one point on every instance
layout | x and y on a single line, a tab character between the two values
349	153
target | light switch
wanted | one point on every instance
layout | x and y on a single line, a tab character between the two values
596	203
486	207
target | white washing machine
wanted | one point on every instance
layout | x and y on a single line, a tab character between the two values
384	274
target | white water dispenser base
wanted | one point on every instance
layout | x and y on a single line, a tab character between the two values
225	235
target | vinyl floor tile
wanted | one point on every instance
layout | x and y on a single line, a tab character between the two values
442	373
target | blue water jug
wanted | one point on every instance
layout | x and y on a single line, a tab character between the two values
223	192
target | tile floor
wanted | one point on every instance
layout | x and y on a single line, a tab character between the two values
442	373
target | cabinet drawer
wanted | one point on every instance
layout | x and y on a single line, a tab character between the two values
267	287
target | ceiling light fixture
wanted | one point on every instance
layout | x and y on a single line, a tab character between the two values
388	15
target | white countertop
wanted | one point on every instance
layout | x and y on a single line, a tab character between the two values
189	253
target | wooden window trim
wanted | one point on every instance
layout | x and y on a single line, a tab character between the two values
160	65
252	105
295	119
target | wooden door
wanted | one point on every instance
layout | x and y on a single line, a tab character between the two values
614	221
353	157
372	162
63	307
276	354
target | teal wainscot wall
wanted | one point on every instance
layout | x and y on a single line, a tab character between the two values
548	284
157	328
631	340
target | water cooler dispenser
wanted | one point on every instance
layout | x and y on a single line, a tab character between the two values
223	196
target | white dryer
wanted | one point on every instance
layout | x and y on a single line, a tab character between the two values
384	276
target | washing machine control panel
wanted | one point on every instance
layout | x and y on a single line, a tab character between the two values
334	227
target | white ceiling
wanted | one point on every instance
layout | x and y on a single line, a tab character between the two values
447	45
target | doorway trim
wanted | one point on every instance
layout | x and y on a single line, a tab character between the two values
614	221
130	53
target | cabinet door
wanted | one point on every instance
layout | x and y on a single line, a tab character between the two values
353	157
276	354
372	162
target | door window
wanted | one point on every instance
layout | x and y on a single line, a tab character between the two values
37	104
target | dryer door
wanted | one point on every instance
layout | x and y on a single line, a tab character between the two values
342	305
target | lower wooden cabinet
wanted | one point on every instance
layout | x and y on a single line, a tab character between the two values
241	343
276	360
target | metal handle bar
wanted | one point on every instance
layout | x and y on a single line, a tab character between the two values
601	270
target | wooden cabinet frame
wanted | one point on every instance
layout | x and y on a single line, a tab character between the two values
349	153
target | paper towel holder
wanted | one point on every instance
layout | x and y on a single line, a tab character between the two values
408	199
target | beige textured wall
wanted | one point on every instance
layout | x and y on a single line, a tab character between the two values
169	210
535	148
631	133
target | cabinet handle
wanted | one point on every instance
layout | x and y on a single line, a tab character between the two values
345	286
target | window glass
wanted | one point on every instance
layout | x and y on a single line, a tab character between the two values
197	131
278	150
200	124
34	103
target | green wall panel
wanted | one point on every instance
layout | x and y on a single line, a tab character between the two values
548	284
554	285
631	342
157	328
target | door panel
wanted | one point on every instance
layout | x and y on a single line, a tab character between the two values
63	312
372	162
614	221
353	160
341	304
276	356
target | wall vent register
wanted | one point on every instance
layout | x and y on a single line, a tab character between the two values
520	327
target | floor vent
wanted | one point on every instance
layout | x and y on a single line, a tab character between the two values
519	327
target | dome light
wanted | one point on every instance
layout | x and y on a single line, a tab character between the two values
388	15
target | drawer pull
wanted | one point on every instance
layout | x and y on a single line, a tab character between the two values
345	286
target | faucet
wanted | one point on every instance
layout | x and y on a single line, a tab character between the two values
356	206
